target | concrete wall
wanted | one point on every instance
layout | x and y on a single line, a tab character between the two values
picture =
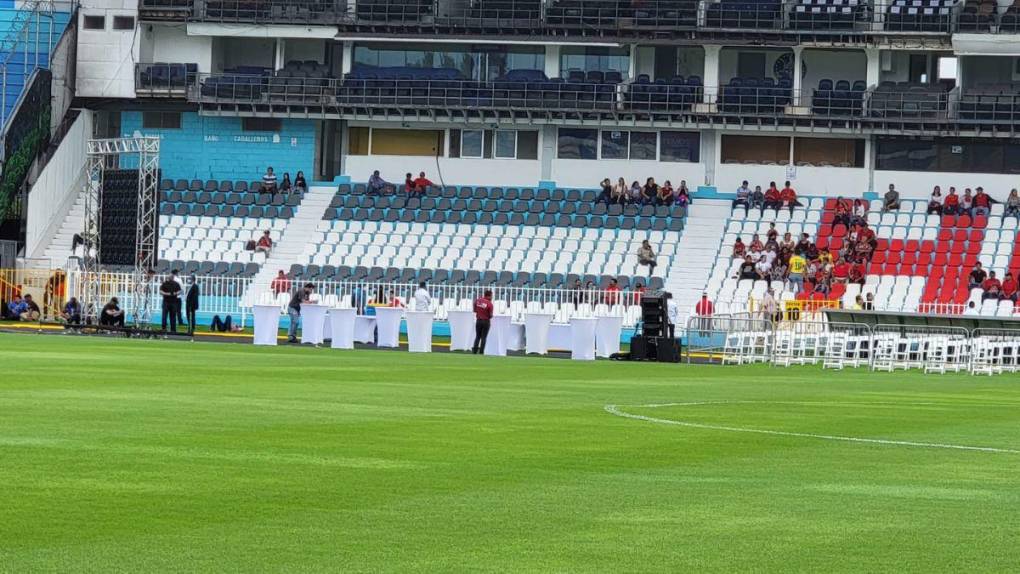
106	58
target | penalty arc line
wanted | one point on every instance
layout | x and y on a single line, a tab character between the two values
615	411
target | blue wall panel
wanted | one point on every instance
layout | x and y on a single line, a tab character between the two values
216	148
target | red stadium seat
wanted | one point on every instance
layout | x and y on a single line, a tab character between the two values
890	269
960	235
822	243
878	257
839	230
875	269
896	245
837	291
948	221
893	257
835	243
974	247
927	246
924	259
830	203
824	230
828	217
963	221
909	257
970	260
940	259
955	259
957	247
976	235
912	245
980	221
882	244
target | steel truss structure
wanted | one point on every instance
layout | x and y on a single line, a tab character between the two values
104	153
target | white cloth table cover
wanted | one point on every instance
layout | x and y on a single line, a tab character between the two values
536	332
313	319
341	327
387	321
462	330
364	329
419	331
559	337
515	337
267	324
499	335
607	335
582	339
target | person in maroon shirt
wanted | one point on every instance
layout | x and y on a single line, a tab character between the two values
483	320
1009	288
841	271
951	204
772	198
982	202
789	197
422	184
991	286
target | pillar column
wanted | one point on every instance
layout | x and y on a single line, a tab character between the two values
711	73
552	61
347	58
280	55
874	66
798	79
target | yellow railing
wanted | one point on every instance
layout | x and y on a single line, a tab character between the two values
46	286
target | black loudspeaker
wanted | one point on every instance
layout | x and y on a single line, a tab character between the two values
639	349
661	349
653	315
667	350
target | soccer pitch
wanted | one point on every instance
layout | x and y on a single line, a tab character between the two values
141	456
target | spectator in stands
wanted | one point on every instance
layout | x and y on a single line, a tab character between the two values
170	291
773	197
841	271
796	272
739	249
891	201
967	203
977	276
32	312
982	203
747	270
649	192
16	307
743	197
393	300
378	186
620	192
280	284
285	184
112	315
639	291
789	197
483	309
1013	204
422	299
935	201
779	270
71	315
763	269
857	272
269	181
606	195
772	236
859	213
576	293
802	245
422	184
787	244
635	194
299	182
842	213
869	302
758	200
756	246
265	243
858	303
951	205
646	256
991	287
303	295
1009	287
408	183
665	195
683	194
612	292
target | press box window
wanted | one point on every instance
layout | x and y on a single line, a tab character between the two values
123	23
161	120
576	143
506	144
95	22
261	124
471	144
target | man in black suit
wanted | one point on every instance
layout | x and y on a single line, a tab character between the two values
191	303
171	292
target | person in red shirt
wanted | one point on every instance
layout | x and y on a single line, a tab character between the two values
704	310
951	205
992	287
982	202
841	271
857	272
772	197
280	284
639	292
788	197
483	308
1009	288
612	292
265	243
422	184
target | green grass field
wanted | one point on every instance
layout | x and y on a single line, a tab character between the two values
145	456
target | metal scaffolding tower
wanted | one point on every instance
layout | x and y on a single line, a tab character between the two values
108	152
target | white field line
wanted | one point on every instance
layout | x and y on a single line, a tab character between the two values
615	410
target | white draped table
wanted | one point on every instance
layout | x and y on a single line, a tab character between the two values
313	319
462	330
388	324
267	324
582	339
515	337
499	335
341	326
607	335
419	331
559	337
536	332
364	329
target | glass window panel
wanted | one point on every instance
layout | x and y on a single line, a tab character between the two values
527	144
577	143
680	146
642	145
506	144
614	144
471	143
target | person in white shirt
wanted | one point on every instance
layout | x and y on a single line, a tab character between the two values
422	299
673	314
